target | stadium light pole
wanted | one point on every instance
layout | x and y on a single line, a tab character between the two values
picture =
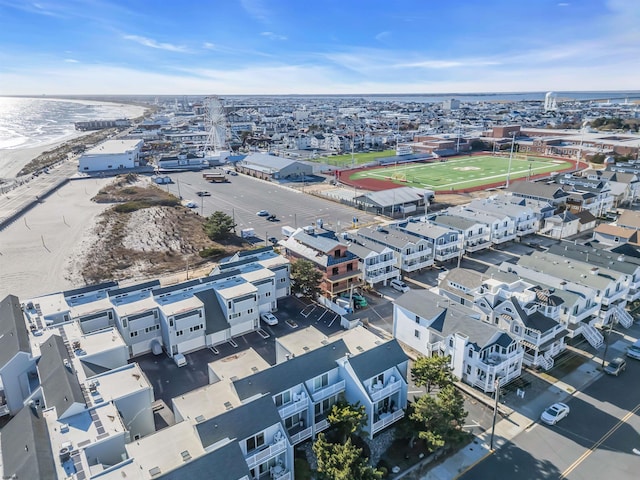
513	142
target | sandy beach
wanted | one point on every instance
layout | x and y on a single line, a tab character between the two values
36	251
12	160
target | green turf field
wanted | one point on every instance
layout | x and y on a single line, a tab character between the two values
359	158
457	173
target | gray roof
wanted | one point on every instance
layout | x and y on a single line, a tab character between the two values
14	337
390	236
228	461
454	221
239	423
59	383
540	190
451	317
363	251
292	372
216	321
270	161
594	256
536	321
26	450
135	288
393	196
90	288
466	277
320	243
378	359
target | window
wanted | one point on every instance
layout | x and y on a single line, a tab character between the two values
451	342
110	315
417	318
178	333
134	334
255	442
468	369
321	382
293	421
155	314
124	323
282	398
334	271
416	333
171	322
349	267
470	353
250	310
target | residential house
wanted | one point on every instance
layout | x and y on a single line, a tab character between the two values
476	234
447	243
339	267
523	217
411	251
502	228
562	225
614	235
378	263
552	194
17	365
482	355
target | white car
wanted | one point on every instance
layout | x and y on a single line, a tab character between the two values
555	413
269	319
634	350
262	213
399	285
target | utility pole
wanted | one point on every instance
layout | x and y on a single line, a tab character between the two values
495	410
606	341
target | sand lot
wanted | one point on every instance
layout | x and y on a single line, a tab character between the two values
37	249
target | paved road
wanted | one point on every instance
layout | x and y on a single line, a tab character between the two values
595	441
243	196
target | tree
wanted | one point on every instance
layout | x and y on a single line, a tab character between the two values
440	417
218	225
429	371
347	419
342	461
305	278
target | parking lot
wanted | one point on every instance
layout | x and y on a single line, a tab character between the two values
243	197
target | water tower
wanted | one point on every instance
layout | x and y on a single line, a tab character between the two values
550	102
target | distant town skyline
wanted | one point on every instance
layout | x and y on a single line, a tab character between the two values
325	47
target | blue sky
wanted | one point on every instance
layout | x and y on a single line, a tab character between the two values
325	46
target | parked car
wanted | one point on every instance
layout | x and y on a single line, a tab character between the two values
262	213
555	413
634	350
190	204
358	300
616	366
399	285
272	218
273	240
269	318
203	194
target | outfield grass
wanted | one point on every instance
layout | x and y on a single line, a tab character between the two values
458	173
359	158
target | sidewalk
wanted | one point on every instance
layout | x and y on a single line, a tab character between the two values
519	415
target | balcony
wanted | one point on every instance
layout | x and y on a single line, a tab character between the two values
320	395
475	246
381	265
615	296
523	230
416	254
266	453
293	407
503	237
387	419
446	253
301	436
322	425
435	347
383	276
586	313
380	393
412	266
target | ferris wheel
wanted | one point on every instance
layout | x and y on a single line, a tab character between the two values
216	125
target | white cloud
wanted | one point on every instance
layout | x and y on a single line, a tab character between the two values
209	46
71	60
382	36
273	36
564	4
256	9
149	42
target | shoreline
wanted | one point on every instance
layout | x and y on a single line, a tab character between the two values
12	160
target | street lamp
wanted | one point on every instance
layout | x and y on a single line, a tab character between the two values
496	384
612	319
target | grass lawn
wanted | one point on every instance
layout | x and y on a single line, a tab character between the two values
458	173
359	158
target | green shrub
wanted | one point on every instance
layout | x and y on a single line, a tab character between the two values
211	252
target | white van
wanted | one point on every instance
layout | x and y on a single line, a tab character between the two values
180	360
399	285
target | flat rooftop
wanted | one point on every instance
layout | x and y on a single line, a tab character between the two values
113	147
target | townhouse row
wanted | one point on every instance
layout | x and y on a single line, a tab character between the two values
89	413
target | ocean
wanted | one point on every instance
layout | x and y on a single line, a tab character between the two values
33	122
